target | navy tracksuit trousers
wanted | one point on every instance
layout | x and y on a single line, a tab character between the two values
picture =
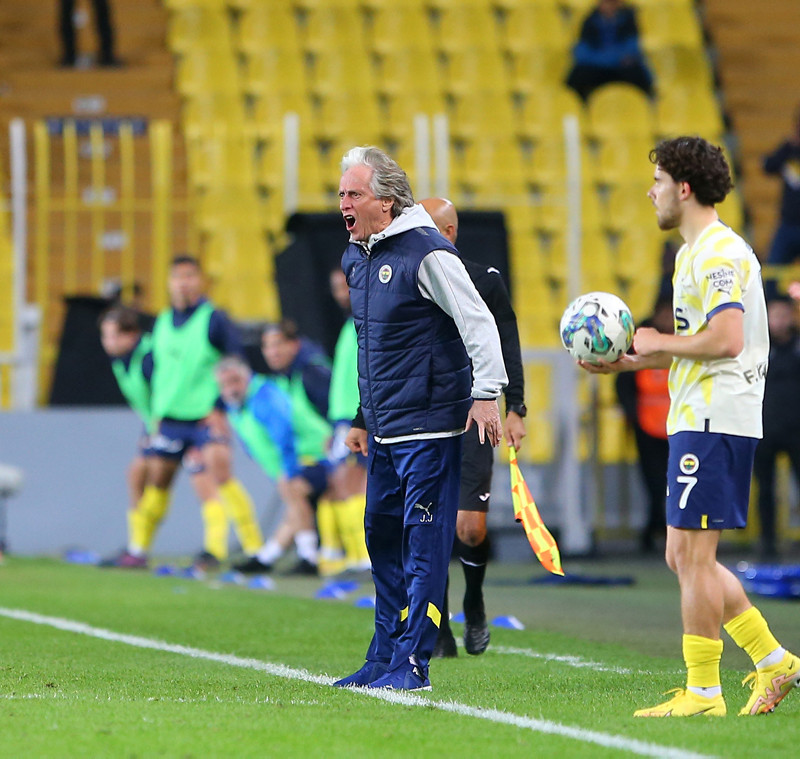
412	503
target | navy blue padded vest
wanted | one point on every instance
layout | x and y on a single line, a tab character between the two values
414	375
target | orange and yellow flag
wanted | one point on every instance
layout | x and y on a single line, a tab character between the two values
525	511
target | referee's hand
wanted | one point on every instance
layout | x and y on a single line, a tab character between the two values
486	414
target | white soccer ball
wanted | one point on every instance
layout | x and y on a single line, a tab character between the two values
597	326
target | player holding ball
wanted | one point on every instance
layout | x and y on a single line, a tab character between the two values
717	359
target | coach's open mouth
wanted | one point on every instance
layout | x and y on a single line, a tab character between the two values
349	221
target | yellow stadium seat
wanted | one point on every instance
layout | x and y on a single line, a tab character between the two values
275	70
480	114
551	211
624	159
346	117
533	26
669	23
487	172
398	27
628	204
225	160
541	116
331	73
199	27
327	28
269	111
204	114
473	69
200	71
413	72
463	25
268	26
534	70
685	110
620	109
681	66
241	270
227	208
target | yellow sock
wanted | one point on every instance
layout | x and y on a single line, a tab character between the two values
330	544
702	657
215	524
243	513
145	518
351	518
751	632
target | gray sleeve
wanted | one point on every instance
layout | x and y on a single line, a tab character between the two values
444	280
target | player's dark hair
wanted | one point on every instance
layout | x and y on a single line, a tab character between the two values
185	258
126	318
697	162
287	327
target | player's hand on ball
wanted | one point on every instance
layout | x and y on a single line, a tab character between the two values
647	341
625	363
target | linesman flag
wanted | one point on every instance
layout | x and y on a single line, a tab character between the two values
525	511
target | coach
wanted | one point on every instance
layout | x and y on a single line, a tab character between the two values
429	364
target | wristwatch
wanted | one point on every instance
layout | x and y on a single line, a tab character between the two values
518	408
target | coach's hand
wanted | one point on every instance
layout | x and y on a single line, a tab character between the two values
486	414
356	440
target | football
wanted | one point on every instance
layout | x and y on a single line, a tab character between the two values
597	326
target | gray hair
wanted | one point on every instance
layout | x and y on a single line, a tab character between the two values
233	363
388	179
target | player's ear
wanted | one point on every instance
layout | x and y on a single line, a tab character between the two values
684	190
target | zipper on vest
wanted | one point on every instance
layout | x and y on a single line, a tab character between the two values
366	342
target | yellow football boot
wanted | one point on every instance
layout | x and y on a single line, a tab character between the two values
771	684
686	704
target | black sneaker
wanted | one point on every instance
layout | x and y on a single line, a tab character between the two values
253	567
206	562
445	647
303	567
476	636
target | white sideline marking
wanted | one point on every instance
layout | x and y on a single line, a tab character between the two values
618	742
571	661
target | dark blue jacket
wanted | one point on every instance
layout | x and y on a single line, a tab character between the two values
414	375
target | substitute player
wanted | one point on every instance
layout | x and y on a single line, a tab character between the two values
266	423
477	459
130	351
717	360
348	493
189	338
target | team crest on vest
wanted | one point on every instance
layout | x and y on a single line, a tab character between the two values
689	463
385	273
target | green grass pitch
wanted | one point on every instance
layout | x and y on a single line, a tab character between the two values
565	686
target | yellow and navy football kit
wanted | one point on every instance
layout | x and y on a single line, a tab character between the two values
715	406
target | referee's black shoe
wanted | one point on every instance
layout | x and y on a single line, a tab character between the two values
253	567
445	647
476	635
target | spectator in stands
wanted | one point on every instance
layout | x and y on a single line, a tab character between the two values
644	397
429	365
276	438
608	50
781	415
477	459
785	163
105	33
